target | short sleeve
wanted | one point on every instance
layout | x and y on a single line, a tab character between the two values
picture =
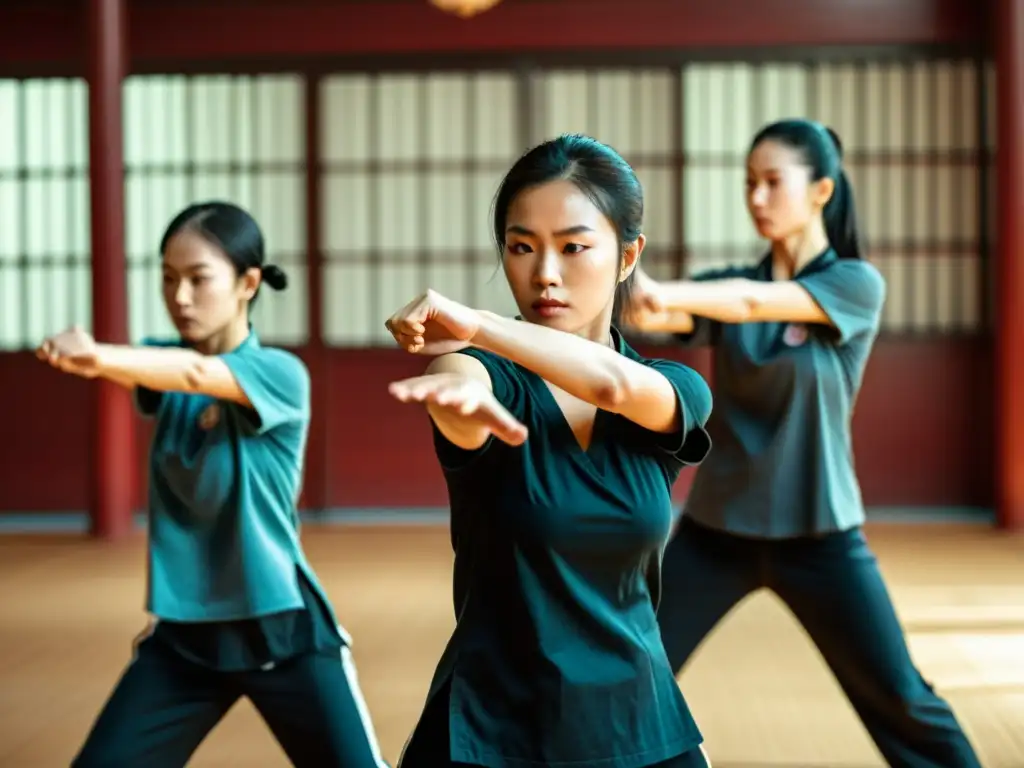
691	444
705	330
276	383
148	401
851	292
508	389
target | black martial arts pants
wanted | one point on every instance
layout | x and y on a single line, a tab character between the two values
834	587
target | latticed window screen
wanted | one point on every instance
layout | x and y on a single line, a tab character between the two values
45	274
239	139
410	166
911	137
410	172
411	163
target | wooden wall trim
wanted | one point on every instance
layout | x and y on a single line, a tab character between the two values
45	36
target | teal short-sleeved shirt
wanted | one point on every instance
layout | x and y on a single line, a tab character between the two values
224	482
556	658
783	462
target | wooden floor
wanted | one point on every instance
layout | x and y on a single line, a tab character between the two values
70	608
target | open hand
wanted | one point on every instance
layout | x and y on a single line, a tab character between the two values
72	351
463	396
431	324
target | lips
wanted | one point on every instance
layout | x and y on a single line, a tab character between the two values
549	308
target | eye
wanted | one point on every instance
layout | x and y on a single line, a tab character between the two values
518	248
199	280
574	248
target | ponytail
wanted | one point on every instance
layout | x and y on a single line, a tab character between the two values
841	220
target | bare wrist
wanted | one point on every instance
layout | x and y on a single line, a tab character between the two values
490	323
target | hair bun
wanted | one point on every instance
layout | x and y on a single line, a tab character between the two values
835	140
275	277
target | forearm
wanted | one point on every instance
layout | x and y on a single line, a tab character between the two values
120	379
164	369
594	373
731	300
672	321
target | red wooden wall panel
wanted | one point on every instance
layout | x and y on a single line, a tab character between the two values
922	432
919	436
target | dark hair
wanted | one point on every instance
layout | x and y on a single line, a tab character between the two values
598	171
823	152
232	230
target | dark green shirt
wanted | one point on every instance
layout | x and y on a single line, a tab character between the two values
783	462
556	658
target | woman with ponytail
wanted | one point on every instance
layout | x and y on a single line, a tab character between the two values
777	504
238	610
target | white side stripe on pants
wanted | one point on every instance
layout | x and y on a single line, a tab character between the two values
364	713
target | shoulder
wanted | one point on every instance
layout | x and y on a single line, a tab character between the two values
504	374
270	362
730	272
857	269
488	360
851	275
691	387
276	383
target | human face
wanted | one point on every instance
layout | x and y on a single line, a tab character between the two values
782	199
202	291
563	259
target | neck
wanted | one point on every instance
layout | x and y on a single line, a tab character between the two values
793	253
225	340
599	331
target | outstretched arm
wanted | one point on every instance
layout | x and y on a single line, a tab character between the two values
169	369
735	300
593	372
458	394
846	295
164	369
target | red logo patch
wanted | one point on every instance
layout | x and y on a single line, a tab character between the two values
795	334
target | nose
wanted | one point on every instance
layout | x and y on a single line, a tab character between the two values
548	270
182	294
759	196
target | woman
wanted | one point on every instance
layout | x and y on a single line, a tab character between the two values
778	505
239	611
559	445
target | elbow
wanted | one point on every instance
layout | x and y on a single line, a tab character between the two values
612	392
741	311
745	303
197	374
610	396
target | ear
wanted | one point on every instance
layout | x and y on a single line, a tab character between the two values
631	257
250	282
821	191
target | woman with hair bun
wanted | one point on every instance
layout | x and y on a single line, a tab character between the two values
238	610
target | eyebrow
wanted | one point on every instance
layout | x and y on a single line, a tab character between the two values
515	229
190	269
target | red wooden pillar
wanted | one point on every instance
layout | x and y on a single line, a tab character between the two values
1009	257
113	457
315	488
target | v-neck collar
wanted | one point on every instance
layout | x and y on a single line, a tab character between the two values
593	457
823	260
